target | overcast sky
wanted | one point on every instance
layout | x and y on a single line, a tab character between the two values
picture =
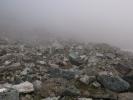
109	21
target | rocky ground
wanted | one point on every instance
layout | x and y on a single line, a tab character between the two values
64	70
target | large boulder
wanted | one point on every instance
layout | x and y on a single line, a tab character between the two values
113	83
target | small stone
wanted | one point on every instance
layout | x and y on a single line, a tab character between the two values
41	62
7	62
3	90
96	84
87	79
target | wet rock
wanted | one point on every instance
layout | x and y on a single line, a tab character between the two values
25	87
113	83
125	96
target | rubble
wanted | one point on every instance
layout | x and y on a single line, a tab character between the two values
69	70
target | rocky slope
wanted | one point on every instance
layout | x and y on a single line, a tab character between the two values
64	70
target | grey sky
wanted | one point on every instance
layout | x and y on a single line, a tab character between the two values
109	21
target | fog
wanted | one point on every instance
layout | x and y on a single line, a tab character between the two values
108	21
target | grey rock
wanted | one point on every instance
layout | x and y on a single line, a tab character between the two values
25	71
75	58
37	85
113	83
55	72
25	87
71	91
9	95
87	79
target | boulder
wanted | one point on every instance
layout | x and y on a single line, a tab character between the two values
56	73
113	83
129	79
25	87
75	58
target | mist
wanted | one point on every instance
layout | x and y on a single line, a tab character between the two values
108	21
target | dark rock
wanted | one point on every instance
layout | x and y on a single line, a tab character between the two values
75	59
55	72
113	83
3	52
122	69
129	79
